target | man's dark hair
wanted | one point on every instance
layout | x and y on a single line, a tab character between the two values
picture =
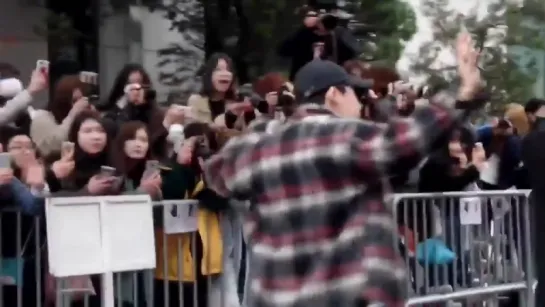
533	105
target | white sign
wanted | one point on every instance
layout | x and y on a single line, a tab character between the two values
128	225
180	216
470	211
94	235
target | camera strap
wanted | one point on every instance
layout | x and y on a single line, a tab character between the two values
334	45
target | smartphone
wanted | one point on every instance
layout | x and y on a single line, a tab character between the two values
188	111
152	167
67	148
93	99
5	160
107	171
88	77
42	66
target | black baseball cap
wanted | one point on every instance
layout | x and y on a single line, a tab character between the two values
318	76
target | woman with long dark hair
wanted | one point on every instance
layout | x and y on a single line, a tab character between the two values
218	101
218	87
134	99
131	73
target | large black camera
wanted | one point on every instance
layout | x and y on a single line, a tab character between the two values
259	103
330	13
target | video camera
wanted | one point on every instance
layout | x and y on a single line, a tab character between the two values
259	103
330	13
284	95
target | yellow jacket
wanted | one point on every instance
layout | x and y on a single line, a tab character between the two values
210	234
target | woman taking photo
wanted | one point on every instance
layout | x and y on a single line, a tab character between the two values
49	127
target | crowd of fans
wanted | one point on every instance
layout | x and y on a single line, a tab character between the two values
307	164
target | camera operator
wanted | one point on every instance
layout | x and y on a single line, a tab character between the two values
320	37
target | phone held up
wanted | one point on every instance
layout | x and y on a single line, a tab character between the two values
91	78
5	160
107	171
67	149
43	66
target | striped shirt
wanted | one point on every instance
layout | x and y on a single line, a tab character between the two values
322	233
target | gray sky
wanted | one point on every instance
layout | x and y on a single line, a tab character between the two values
423	33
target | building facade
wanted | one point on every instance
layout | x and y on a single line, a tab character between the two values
130	34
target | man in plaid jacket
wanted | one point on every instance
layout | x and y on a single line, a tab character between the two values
321	231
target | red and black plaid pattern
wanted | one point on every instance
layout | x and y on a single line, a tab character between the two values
321	232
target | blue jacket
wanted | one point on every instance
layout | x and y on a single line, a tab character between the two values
510	157
24	199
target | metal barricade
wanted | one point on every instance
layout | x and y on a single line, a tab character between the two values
460	248
464	248
199	267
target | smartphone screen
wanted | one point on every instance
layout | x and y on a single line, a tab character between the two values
67	148
152	167
107	171
5	160
88	77
42	66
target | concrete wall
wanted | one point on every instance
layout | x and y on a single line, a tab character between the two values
24	47
137	36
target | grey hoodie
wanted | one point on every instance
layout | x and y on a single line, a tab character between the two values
14	107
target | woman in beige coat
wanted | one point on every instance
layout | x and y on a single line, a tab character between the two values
213	103
49	128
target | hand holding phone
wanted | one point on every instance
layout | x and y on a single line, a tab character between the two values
5	160
43	66
152	168
188	111
237	107
107	171
151	179
67	151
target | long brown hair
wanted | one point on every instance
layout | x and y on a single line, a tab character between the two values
61	102
120	161
270	82
381	76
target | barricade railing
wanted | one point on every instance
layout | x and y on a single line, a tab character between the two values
199	263
466	247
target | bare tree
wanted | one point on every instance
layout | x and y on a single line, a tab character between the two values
508	37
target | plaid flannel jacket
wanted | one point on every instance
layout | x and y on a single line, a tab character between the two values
321	231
